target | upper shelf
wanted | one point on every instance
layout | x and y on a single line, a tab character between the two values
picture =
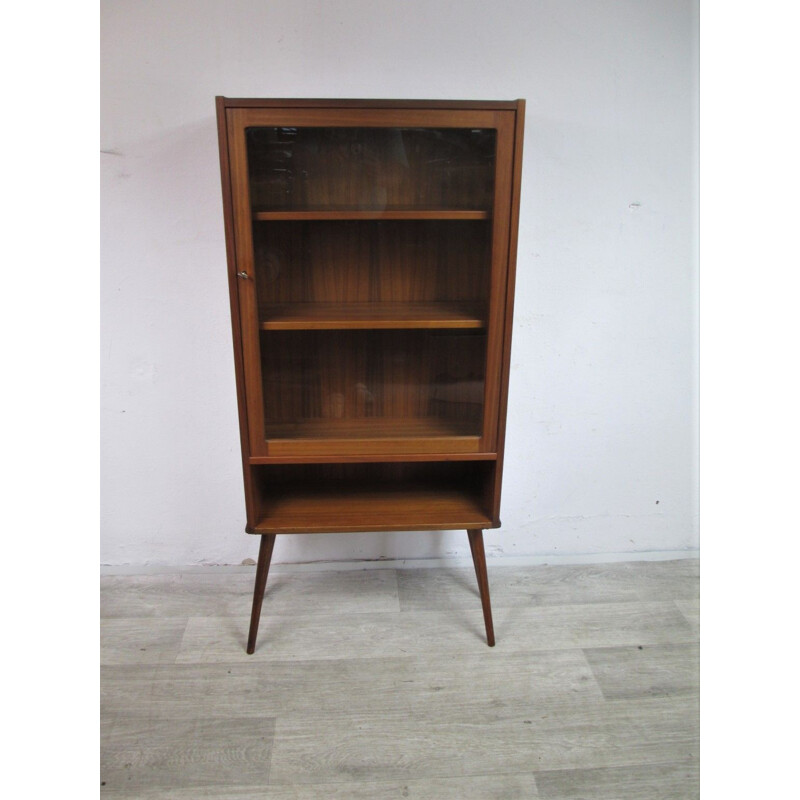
371	214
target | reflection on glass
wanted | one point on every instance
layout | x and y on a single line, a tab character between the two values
370	168
323	384
373	325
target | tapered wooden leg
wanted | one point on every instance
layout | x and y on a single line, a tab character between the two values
479	560
262	570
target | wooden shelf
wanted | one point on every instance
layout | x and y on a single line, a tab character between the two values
371	458
346	508
339	316
371	428
371	435
373	214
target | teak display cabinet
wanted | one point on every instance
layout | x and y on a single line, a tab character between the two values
371	249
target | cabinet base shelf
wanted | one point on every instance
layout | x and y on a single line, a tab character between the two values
420	509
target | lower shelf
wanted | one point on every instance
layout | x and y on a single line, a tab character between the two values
405	496
411	509
372	435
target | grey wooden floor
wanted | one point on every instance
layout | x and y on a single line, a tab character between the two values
378	684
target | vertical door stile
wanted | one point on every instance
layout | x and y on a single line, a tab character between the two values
248	298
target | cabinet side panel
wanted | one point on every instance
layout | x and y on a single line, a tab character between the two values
497	289
509	302
230	246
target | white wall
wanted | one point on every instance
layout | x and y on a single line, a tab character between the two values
601	454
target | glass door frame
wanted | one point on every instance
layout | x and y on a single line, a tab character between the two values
238	120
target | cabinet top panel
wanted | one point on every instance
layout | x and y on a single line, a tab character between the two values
251	102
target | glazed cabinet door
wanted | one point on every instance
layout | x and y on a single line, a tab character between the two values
371	248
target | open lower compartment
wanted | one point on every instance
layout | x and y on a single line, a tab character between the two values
418	495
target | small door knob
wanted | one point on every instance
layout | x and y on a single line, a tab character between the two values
242	274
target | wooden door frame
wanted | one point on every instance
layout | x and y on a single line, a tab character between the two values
235	116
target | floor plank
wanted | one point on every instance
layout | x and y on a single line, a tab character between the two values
691	612
311	749
673	580
141	752
637	782
474	787
426	686
199	595
140	641
209	639
666	669
426	589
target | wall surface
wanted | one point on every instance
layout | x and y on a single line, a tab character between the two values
601	456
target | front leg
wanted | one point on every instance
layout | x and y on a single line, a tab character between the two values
479	560
262	570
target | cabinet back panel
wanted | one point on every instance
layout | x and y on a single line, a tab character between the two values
372	376
367	262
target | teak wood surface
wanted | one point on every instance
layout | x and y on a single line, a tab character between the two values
371	250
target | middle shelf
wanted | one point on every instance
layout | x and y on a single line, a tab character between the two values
370	315
347	213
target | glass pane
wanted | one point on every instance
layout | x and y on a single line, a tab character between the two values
372	384
370	168
372	256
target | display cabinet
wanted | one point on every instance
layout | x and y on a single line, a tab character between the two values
371	249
